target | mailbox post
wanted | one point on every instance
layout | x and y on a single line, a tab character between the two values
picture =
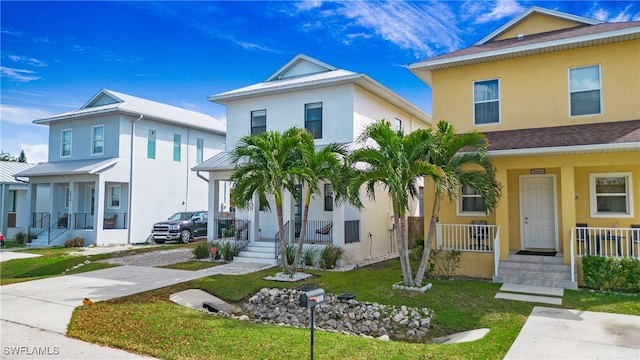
310	299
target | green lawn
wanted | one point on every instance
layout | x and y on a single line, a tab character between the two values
149	323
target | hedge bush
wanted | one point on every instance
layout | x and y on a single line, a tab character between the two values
612	274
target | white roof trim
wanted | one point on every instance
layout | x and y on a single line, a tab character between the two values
511	50
295	61
537	9
577	149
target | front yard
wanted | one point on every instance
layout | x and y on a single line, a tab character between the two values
149	323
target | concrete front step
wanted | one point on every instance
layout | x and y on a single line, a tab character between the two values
247	259
539	294
535	270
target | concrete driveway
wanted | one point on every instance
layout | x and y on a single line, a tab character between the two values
48	303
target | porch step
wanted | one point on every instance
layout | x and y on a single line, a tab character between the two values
538	294
258	252
547	271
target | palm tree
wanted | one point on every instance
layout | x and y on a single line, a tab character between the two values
396	161
463	160
320	165
268	164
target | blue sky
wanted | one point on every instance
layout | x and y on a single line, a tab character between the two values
56	55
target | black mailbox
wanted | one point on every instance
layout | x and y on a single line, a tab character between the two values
311	298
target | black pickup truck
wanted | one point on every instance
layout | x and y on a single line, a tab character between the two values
182	226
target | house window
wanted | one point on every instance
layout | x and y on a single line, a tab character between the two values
97	140
397	125
470	203
420	201
328	197
486	102
313	119
585	91
66	143
199	150
258	122
177	142
611	194
12	201
114	192
151	144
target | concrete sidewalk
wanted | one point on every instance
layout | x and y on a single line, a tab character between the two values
48	303
551	333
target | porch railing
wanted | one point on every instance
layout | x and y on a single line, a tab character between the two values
608	242
467	237
232	229
317	232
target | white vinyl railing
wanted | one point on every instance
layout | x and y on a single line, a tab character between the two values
466	237
608	242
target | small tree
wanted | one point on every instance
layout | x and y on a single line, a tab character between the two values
268	164
462	160
22	158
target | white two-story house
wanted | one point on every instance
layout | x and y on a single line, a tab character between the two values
117	165
335	105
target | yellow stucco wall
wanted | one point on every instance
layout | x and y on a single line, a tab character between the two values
535	24
534	89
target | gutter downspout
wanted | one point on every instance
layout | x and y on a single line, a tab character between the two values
133	127
200	176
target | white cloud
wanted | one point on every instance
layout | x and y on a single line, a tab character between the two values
27	60
624	15
425	28
20	75
308	4
35	153
21	115
500	10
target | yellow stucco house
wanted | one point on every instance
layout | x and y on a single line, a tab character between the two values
558	97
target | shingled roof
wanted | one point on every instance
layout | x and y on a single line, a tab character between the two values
562	136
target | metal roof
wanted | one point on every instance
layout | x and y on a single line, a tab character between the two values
9	168
106	101
69	167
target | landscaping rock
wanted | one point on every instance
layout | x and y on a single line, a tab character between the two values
280	306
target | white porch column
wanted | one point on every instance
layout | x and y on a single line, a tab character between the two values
338	218
214	209
100	204
254	218
72	206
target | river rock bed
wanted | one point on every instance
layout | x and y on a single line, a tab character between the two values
280	307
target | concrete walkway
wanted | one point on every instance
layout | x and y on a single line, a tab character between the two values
551	333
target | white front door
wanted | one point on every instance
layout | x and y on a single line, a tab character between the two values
538	211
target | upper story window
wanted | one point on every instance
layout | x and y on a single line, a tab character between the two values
486	102
470	203
199	150
258	122
585	91
97	140
114	192
65	143
313	119
151	144
611	194
177	143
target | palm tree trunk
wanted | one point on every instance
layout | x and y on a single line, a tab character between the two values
283	239
403	252
303	232
428	241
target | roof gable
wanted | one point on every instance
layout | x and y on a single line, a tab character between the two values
537	20
300	65
102	98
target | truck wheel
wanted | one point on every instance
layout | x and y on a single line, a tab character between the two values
185	236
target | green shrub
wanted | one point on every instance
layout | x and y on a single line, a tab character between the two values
226	250
310	256
75	242
202	251
21	238
444	262
612	274
330	255
291	253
